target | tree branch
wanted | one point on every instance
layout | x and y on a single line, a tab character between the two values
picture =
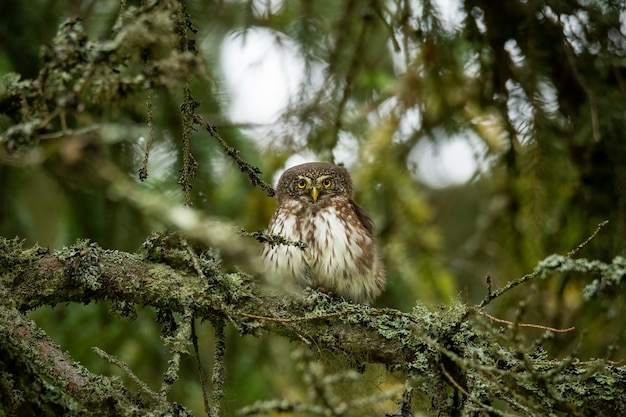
418	344
49	379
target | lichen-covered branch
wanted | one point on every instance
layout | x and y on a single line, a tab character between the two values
79	74
253	173
472	359
40	379
86	272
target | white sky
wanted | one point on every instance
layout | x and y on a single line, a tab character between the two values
262	76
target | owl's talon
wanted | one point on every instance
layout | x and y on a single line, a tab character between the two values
321	289
325	292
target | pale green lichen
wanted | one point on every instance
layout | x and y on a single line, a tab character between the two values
14	259
607	275
82	263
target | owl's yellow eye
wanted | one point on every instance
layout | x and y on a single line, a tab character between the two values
301	183
327	183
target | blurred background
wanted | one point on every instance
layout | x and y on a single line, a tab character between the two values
481	136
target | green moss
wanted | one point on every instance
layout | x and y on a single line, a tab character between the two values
15	260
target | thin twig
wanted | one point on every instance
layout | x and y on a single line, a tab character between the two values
69	132
201	372
589	239
251	171
467	394
194	258
493	295
535	326
392	35
297	319
120	364
565	363
580	363
506	288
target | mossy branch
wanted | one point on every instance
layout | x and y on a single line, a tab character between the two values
463	351
44	378
253	173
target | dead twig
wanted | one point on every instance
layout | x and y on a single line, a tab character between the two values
534	326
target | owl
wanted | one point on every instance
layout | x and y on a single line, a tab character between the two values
316	206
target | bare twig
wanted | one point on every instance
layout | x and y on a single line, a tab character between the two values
201	372
390	29
535	326
194	258
512	284
589	239
120	364
297	319
468	395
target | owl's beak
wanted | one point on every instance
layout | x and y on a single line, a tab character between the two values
314	193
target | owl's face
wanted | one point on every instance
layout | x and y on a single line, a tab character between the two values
315	183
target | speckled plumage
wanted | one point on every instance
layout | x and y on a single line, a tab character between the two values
316	206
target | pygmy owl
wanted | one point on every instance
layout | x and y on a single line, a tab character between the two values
316	206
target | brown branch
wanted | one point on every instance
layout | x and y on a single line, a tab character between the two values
535	326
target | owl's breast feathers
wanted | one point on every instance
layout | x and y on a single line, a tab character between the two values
340	255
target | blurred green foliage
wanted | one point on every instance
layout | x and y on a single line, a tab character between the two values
540	85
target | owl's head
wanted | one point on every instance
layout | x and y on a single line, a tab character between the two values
315	182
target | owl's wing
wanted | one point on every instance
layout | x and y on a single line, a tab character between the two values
365	218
